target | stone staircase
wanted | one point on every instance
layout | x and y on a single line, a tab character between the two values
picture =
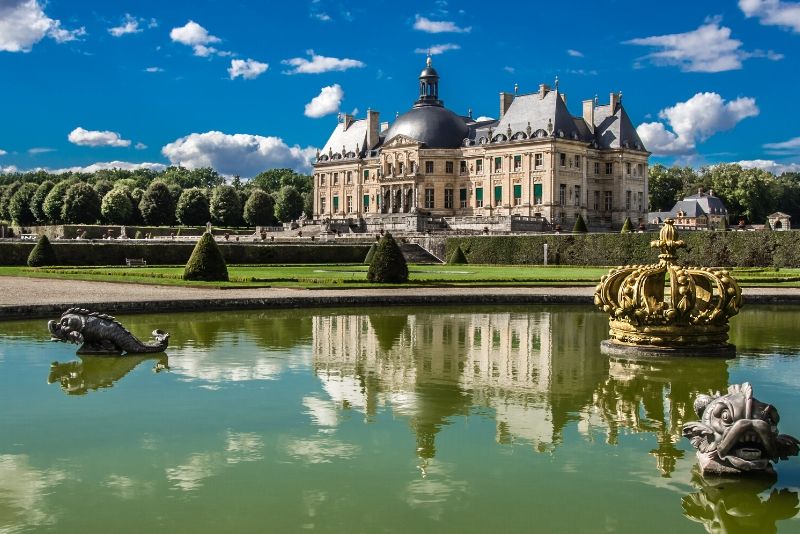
414	253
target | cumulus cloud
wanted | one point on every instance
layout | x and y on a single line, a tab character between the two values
574	53
140	146
242	154
709	48
484	118
3	152
792	146
435	50
326	102
773	12
110	165
769	165
248	69
424	24
23	23
694	121
154	69
83	137
318	64
194	35
130	24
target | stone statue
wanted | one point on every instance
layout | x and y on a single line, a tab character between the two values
737	433
99	333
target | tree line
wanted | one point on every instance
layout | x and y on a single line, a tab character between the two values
749	194
175	195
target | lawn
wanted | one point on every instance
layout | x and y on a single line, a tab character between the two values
354	276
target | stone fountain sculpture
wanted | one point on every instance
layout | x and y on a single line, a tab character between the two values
98	333
691	319
738	434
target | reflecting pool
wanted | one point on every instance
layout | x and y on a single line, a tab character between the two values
381	420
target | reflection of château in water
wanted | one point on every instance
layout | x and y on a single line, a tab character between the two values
529	368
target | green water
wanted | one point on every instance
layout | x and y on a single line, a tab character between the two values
380	420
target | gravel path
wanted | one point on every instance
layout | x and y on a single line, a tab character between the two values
34	297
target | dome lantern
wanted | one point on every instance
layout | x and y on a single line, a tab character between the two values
428	86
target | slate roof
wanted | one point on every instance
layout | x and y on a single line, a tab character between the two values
692	206
539	112
614	129
354	136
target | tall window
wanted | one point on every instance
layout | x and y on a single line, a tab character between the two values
462	167
596	200
562	159
597	167
609	168
349	178
322	204
607	202
349	203
478	197
640	198
498	195
429	199
335	178
577	195
562	195
577	161
517	163
537	193
628	168
428	167
400	168
538	160
628	199
321	179
448	167
517	194
366	202
641	169
479	166
336	204
366	175
448	198
498	164
462	197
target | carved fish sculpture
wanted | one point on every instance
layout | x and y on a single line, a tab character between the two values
737	433
99	333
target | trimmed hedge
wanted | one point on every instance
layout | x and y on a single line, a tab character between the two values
388	265
169	253
730	249
206	262
42	254
457	257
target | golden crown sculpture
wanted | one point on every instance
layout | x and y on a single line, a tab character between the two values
694	313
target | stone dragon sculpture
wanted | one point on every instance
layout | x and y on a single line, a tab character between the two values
737	433
99	333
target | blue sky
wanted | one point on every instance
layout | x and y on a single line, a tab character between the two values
243	86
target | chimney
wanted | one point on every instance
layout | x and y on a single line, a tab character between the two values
613	101
543	89
505	102
373	131
347	119
588	114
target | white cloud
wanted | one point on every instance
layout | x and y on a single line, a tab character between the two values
3	152
319	64
10	169
773	12
80	136
140	146
435	50
40	150
326	102
792	146
709	48
574	53
424	24
194	35
242	154
248	69
154	69
324	17
23	23
694	121
769	165
484	118
510	70
130	24
108	165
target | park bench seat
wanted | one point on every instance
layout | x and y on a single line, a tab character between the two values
135	262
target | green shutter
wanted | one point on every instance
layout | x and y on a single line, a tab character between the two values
479	193
498	193
366	202
462	194
537	193
366	174
335	204
517	191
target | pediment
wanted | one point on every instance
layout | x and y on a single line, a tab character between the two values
401	140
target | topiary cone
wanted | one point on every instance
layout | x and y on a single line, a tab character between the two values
627	227
388	265
370	254
206	262
580	225
42	254
457	257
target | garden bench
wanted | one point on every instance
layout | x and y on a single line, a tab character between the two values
135	262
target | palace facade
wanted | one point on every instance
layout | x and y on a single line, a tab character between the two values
534	167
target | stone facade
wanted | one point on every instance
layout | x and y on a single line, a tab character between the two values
537	161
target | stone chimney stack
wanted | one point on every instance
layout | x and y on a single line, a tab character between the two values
373	128
347	119
613	100
505	102
588	114
543	90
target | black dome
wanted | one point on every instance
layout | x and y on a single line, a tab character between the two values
434	126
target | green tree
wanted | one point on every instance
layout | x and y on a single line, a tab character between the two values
192	209
457	257
627	226
289	204
747	193
117	206
388	265
8	192
42	254
370	253
19	205
206	262
273	180
157	207
259	210
53	204
81	205
666	185
226	209
308	203
580	225
37	201
102	187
